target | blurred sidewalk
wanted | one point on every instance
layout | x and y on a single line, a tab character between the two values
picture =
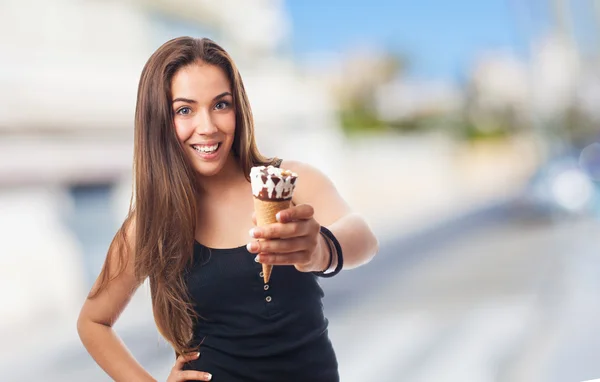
501	300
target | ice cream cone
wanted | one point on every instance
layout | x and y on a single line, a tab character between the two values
265	214
272	188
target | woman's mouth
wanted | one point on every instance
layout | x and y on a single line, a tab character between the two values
207	151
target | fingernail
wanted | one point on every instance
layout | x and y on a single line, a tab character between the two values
251	232
198	354
256	259
278	216
208	376
252	246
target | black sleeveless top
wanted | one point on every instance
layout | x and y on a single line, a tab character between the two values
251	331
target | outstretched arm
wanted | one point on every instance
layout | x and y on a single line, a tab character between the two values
295	239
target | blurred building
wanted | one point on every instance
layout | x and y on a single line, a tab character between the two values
68	83
556	72
500	80
405	98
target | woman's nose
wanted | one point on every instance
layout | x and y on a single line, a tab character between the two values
205	124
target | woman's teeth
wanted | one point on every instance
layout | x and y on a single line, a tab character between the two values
206	149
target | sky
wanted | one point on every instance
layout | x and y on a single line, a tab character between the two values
439	37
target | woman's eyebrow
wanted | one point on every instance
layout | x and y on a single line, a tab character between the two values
187	100
221	95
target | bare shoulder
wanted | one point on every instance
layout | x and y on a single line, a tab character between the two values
314	187
306	173
293	165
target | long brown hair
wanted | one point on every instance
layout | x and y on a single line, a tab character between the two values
164	204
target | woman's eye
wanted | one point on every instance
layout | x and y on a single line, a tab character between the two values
184	111
221	105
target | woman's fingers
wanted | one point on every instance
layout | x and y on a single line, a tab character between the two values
299	212
179	375
297	244
191	375
285	230
293	258
182	359
291	241
280	231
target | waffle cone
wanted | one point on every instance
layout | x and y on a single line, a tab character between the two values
265	214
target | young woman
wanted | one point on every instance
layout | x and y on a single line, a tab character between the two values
191	231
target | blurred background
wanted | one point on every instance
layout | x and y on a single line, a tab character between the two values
477	122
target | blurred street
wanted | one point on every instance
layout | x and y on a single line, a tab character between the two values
511	301
495	295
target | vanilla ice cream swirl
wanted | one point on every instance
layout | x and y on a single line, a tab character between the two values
272	183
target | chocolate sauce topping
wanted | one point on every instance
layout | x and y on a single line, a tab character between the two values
272	183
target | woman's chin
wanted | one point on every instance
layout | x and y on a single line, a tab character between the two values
211	168
206	170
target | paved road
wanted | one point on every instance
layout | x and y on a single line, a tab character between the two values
504	300
490	297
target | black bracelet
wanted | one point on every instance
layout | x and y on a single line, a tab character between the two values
340	258
328	242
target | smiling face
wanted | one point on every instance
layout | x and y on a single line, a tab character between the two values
204	116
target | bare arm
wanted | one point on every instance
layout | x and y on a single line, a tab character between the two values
359	244
99	314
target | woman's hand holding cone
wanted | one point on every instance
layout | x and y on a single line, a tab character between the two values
293	240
